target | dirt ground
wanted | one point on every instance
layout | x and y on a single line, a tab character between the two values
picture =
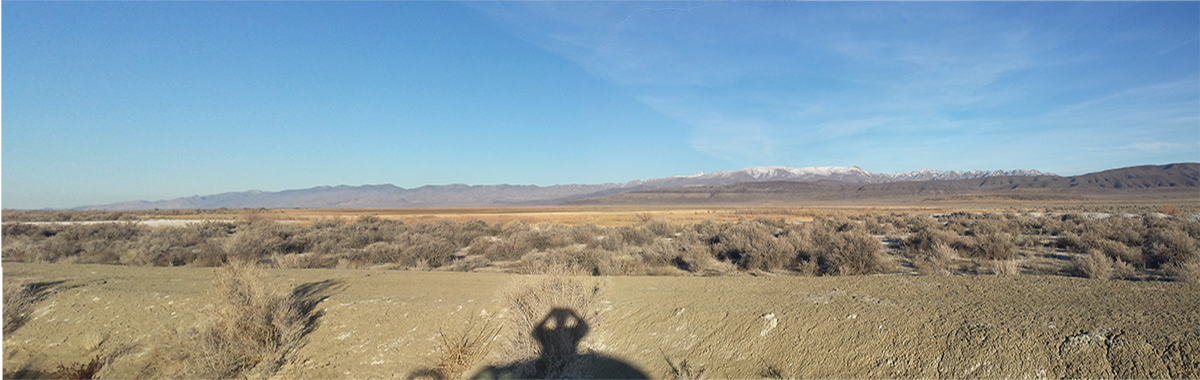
386	324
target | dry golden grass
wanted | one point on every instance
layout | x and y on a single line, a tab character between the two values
938	262
248	331
1005	267
683	370
19	300
460	351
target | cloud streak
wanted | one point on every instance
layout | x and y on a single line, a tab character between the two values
790	83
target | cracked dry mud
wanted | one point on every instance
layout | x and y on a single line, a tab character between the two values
385	324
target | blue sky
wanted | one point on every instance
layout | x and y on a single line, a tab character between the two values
115	101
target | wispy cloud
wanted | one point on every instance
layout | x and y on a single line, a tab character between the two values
777	82
1161	147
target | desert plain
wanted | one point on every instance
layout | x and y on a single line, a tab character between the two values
391	321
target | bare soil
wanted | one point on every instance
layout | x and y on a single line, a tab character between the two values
386	324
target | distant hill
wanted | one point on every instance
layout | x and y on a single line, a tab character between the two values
1179	179
458	195
379	196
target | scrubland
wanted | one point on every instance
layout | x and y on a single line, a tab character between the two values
1124	246
914	295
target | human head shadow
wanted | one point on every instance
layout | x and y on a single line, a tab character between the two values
559	334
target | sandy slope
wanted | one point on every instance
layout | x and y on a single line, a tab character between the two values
384	324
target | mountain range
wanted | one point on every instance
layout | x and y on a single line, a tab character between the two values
835	179
1174	182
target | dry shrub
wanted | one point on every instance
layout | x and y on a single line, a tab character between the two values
838	224
1028	241
638	237
808	268
1123	270
611	240
753	245
659	254
1128	231
1053	226
874	227
683	370
694	258
618	264
460	351
176	246
925	240
915	223
586	234
995	246
563	261
547	236
1184	272
1005	267
460	234
87	243
994	226
707	229
1113	249
1171	210
423	249
855	253
1070	241
254	241
938	262
530	303
500	249
248	331
19	300
661	228
1094	265
297	261
383	252
583	262
1165	247
81	371
469	263
17	249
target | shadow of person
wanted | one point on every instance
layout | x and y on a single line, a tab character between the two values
559	334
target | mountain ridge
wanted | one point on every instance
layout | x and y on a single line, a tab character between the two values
462	195
1147	181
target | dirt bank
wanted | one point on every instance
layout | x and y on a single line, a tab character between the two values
386	324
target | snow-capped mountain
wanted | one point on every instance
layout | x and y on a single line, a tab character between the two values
832	173
936	175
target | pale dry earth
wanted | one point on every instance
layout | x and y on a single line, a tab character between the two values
386	324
